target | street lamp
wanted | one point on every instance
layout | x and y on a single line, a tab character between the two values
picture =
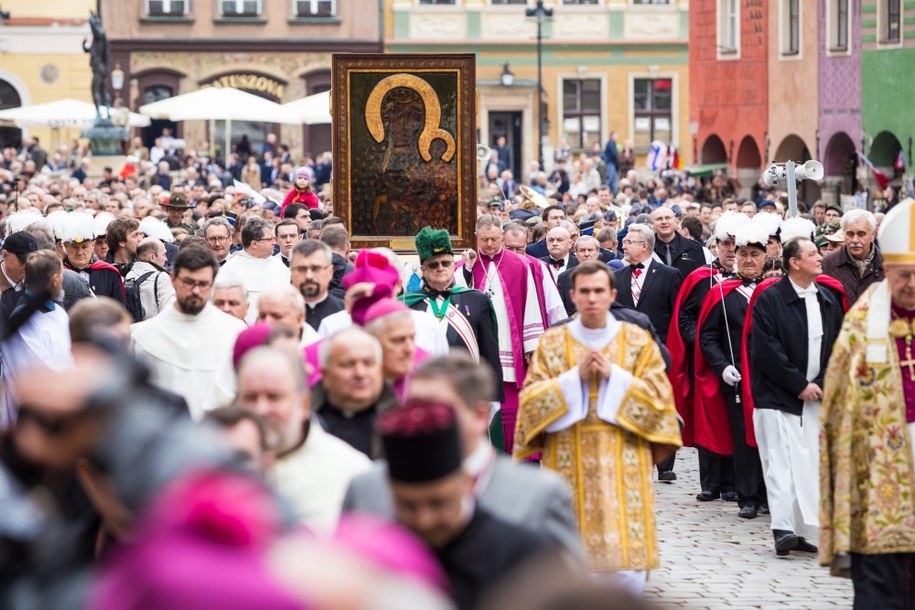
117	78
540	14
507	77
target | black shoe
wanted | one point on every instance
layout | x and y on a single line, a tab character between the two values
707	496
804	547
667	475
785	541
747	512
730	496
764	509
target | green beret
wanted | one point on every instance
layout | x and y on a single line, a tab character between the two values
432	242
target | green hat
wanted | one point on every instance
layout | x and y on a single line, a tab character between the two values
835	207
432	242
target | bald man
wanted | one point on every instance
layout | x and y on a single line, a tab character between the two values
559	245
286	307
312	469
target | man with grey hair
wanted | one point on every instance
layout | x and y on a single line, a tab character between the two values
559	246
311	265
651	288
286	307
254	266
645	284
587	248
230	296
218	234
312	468
352	392
859	263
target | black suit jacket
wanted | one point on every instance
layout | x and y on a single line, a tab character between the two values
659	294
778	345
538	249
686	255
477	309
475	563
564	284
573	262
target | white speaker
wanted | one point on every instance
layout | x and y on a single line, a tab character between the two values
812	170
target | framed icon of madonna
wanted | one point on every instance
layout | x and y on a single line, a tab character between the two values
404	147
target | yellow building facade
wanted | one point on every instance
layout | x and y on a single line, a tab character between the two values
607	65
42	60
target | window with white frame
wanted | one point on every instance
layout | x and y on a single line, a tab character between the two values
890	21
652	104
581	111
240	8
838	24
167	8
728	27
314	8
791	27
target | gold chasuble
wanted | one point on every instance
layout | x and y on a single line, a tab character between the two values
608	465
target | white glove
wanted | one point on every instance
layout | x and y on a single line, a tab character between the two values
731	376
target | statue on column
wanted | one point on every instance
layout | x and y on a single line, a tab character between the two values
99	60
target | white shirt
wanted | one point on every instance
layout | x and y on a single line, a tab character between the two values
257	275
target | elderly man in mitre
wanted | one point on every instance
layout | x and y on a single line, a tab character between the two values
867	500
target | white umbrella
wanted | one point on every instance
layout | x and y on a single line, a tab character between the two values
62	113
311	110
219	104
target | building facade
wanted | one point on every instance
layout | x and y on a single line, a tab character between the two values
55	69
887	57
607	65
840	130
277	49
729	92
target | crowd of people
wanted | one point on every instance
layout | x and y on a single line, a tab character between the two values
211	400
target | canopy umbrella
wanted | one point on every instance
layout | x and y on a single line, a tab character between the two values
219	104
63	113
311	110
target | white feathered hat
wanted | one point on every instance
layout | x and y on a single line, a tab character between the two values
728	222
56	221
751	234
101	222
153	227
78	227
897	234
770	222
20	220
797	227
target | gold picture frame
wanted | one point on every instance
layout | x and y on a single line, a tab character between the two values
404	146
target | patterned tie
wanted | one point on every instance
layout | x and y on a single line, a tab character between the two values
636	283
557	264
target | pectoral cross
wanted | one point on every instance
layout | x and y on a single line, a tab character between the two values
909	361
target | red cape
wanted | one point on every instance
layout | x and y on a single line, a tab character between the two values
679	360
747	396
713	427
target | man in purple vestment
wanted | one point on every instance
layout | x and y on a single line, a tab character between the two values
509	281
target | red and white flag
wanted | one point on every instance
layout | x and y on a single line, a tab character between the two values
882	180
899	165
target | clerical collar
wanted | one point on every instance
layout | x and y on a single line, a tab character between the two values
493	257
595	338
318	302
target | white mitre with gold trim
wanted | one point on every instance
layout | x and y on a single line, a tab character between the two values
897	234
897	245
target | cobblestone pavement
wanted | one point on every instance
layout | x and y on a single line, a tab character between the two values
710	558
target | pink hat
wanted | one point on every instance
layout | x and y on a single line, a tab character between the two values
374	268
248	339
303	171
366	310
202	544
391	547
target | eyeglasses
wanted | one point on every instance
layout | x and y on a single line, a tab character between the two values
216	240
191	284
434	265
626	242
311	268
